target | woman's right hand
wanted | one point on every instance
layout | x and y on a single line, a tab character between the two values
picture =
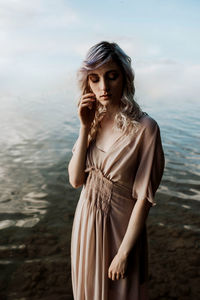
86	109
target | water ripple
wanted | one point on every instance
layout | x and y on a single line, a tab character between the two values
37	137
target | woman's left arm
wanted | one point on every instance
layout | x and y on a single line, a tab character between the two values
135	226
136	223
147	180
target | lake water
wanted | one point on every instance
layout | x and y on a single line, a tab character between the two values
36	139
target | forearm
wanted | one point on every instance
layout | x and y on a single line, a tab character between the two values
76	165
135	226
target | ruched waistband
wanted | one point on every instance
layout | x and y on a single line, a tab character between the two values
99	189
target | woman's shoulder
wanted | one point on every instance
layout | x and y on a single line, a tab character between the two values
148	123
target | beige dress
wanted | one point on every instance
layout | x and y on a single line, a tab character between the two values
129	171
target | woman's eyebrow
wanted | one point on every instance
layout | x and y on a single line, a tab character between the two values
92	74
113	70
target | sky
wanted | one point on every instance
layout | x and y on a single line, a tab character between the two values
44	41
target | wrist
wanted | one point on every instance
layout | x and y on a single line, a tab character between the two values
123	253
84	129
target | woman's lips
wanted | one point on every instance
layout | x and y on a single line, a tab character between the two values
106	96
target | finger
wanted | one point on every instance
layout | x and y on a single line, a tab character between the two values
117	275
109	273
88	100
88	95
86	104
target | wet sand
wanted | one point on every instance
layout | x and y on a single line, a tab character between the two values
35	262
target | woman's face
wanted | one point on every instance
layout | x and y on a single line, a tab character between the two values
106	82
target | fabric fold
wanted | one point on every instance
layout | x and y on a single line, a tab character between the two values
151	166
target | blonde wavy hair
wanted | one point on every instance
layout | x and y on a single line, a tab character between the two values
126	120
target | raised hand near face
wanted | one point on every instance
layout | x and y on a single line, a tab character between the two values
86	109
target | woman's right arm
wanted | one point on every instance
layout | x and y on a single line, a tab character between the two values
76	167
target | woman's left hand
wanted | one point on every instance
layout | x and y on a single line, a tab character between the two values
117	267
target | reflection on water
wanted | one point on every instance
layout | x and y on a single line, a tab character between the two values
36	140
35	137
181	140
37	203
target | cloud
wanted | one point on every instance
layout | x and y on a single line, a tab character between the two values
44	42
45	14
34	37
165	80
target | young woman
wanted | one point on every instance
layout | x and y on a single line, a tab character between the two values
119	160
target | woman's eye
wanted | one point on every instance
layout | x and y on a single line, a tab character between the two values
113	76
94	79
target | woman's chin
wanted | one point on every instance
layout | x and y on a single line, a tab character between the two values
104	102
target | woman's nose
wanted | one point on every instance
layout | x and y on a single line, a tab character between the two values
104	86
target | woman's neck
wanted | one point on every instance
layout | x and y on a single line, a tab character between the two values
110	113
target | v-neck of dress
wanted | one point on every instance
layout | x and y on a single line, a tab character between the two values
110	148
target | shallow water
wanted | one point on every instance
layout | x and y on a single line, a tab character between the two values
36	140
37	202
36	136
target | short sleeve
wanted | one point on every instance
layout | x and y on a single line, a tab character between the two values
151	163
